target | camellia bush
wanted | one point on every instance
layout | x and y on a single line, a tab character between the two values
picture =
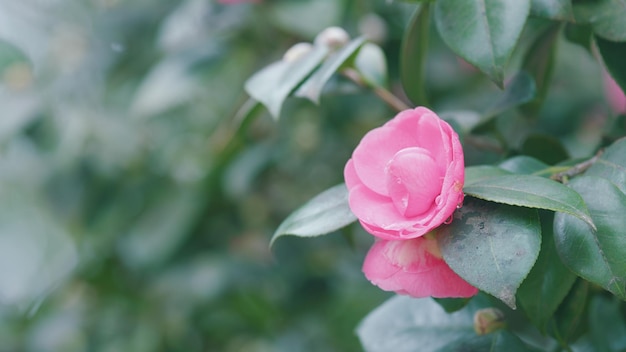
498	218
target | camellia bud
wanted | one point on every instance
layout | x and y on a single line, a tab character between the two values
332	37
297	51
488	320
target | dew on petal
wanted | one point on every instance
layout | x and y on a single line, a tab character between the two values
449	220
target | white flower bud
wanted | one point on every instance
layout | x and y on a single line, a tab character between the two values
373	28
297	51
332	37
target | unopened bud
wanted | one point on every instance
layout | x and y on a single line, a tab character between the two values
373	28
297	51
488	320
332	37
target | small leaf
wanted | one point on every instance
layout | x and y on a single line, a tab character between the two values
413	56
520	90
531	191
312	87
523	164
612	165
483	32
273	84
370	62
475	174
553	9
606	17
596	255
404	324
327	212
614	55
548	282
492	246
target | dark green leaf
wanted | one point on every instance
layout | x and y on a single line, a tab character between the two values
492	246
606	324
548	282
312	87
413	56
451	305
553	9
327	212
530	191
483	32
612	165
273	84
545	148
580	34
404	324
474	174
523	164
569	322
520	90
370	62
606	17
614	57
596	255
539	61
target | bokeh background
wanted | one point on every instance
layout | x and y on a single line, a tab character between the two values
136	208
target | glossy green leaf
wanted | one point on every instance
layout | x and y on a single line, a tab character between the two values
606	324
548	282
483	32
313	86
569	322
596	255
530	191
404	324
492	246
614	57
539	61
612	165
475	174
606	17
552	9
413	56
371	63
523	164
274	83
521	89
327	212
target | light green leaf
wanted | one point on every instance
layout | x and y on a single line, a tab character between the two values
606	17
614	57
370	62
483	32
327	212
274	83
492	246
530	191
413	56
312	87
598	255
553	9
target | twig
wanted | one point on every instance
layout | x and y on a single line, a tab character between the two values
385	95
576	169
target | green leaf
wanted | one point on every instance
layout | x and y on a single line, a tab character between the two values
596	255
404	324
370	62
475	174
539	61
612	165
327	212
274	83
580	34
524	165
312	87
606	17
451	305
466	120
552	9
569	322
492	246
520	90
413	56
544	147
606	324
530	191
548	282
483	32
614	56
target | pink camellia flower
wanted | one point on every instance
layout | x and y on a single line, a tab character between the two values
414	267
614	94
406	177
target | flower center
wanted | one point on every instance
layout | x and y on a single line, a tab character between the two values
413	181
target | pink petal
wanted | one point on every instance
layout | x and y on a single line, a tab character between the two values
350	176
414	267
413	181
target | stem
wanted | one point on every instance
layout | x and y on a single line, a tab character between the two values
393	101
577	169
